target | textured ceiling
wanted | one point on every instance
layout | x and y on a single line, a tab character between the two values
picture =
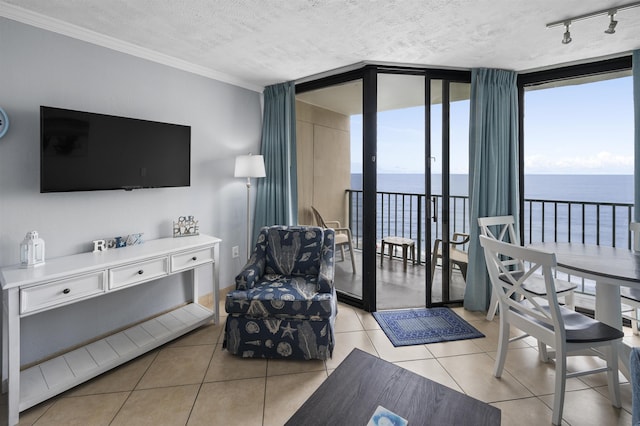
255	43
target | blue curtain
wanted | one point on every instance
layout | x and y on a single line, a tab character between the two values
493	167
636	113
277	194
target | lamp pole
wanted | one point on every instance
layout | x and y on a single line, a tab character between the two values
248	217
248	166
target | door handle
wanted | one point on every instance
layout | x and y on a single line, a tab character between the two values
434	200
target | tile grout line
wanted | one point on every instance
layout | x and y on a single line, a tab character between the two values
204	376
155	355
264	394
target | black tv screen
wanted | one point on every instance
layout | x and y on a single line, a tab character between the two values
83	151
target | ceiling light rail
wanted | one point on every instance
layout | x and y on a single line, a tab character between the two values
610	12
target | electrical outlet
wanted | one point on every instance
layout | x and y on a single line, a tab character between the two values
235	251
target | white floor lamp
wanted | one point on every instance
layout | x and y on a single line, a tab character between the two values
249	166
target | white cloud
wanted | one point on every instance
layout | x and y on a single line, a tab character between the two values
601	163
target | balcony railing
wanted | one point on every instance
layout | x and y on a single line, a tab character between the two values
578	221
403	214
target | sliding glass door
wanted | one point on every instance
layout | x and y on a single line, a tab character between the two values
449	200
389	165
400	197
422	189
329	126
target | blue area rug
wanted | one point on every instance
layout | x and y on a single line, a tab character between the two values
419	326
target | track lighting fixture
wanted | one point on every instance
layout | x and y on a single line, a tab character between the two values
612	24
611	13
566	38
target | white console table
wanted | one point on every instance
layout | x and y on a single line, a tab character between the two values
72	279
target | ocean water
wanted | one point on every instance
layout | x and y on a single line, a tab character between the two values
605	224
588	188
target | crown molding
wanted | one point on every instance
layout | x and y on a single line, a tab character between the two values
74	31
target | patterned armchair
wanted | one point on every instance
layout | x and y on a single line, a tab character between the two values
285	304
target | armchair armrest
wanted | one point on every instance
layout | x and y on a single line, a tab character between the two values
436	247
333	224
341	230
459	238
326	274
250	273
256	265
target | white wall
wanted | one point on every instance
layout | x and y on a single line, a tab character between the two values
38	67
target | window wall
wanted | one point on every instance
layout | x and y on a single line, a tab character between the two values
577	149
550	133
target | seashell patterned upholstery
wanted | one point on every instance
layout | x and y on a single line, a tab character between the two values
284	304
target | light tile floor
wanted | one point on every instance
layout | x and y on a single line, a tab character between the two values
193	381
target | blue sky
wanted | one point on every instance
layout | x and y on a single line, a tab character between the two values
583	129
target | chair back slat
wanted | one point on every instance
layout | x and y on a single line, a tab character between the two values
319	220
541	311
501	228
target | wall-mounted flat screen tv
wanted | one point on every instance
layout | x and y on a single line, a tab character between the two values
84	151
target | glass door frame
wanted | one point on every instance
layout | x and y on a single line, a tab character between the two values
447	78
368	75
364	74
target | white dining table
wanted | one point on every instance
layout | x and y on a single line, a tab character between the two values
610	268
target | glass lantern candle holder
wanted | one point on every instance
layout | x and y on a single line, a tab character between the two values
32	250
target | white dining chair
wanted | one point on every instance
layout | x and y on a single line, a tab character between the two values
541	316
631	296
501	228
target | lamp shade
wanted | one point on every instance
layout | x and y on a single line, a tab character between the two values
248	166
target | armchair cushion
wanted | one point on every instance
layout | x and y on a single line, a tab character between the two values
306	251
294	250
278	295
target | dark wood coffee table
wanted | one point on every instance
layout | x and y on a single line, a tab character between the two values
362	382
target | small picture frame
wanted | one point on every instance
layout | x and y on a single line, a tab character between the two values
185	226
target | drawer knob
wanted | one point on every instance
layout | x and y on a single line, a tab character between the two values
66	291
194	258
140	272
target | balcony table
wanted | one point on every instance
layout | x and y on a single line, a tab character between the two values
610	268
406	244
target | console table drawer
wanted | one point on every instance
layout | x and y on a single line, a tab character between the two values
58	293
137	273
190	259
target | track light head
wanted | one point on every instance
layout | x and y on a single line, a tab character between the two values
611	12
612	24
566	38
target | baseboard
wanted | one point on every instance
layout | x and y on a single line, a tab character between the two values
207	299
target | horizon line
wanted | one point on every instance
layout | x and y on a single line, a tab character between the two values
526	174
